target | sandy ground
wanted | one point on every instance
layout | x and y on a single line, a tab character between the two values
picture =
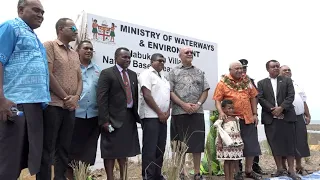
266	162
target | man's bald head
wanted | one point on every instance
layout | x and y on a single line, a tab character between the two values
235	69
233	64
186	56
184	49
285	71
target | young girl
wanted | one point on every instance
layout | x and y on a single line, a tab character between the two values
233	152
95	29
112	34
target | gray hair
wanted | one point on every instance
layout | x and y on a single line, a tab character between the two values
21	3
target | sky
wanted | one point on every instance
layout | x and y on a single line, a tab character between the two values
286	30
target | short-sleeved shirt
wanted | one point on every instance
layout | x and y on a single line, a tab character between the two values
88	107
26	74
188	83
299	99
240	98
66	69
160	91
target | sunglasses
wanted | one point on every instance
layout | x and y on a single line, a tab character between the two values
73	28
188	52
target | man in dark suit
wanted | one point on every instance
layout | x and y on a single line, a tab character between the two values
117	98
255	166
276	94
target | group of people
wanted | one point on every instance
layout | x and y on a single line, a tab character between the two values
68	102
284	115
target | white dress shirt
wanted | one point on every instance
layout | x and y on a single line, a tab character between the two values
160	91
274	86
299	99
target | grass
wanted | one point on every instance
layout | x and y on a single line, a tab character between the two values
80	170
172	166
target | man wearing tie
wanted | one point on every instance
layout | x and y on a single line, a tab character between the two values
117	97
276	95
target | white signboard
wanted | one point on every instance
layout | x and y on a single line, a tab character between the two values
108	34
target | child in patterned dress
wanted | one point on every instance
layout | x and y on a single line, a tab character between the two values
230	154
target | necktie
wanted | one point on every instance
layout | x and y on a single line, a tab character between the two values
127	86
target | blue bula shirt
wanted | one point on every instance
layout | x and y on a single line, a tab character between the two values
88	100
26	74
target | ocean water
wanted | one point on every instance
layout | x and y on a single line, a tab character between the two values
315	121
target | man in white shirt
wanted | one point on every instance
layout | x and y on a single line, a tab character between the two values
303	119
154	112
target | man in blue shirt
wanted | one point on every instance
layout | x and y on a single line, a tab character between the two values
24	84
86	129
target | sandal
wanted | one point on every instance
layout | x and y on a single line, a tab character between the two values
279	173
238	176
294	176
303	171
198	177
253	175
182	176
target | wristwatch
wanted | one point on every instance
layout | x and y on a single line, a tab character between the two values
199	103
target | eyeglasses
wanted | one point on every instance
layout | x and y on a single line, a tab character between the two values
188	52
73	28
287	70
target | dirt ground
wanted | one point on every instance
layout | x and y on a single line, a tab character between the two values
266	162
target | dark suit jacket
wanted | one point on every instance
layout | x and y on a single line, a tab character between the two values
285	97
111	97
252	81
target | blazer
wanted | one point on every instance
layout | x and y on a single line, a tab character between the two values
285	96
112	99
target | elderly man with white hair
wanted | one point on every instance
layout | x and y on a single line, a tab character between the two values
240	90
189	90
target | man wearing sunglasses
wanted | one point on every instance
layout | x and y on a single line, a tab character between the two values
65	90
189	90
154	113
